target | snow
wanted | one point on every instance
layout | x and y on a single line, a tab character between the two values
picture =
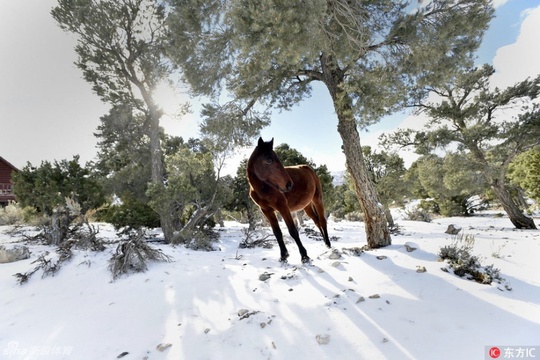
372	306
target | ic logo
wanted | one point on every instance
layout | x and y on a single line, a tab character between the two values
494	352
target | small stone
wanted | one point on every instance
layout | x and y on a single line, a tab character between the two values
453	229
244	314
354	251
323	339
206	331
375	296
360	299
122	355
320	271
409	248
335	255
350	279
420	269
382	257
13	252
265	276
336	263
262	325
163	347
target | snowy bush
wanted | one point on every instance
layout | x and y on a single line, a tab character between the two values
417	214
133	254
12	214
464	264
354	216
203	240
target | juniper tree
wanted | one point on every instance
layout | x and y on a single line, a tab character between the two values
524	171
468	113
366	53
451	182
120	49
387	171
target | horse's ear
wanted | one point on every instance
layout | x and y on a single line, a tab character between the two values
261	142
271	142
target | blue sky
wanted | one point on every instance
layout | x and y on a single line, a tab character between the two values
47	111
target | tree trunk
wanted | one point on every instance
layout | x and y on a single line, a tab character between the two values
516	216
158	170
377	232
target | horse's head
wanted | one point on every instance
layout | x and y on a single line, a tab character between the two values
266	167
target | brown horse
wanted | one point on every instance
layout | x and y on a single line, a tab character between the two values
285	189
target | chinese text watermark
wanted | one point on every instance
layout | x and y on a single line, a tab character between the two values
14	349
512	352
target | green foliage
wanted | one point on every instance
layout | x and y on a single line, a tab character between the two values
272	50
290	157
524	171
240	200
387	171
124	154
193	193
450	181
130	214
122	140
124	167
231	125
191	176
345	201
47	186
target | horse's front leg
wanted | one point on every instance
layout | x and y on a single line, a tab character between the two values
272	219
287	217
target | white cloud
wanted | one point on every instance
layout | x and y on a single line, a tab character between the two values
517	61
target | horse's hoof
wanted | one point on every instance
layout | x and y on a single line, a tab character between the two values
306	260
283	261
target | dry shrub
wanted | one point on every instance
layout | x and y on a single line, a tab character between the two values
133	254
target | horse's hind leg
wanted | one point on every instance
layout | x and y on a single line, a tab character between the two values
272	219
315	211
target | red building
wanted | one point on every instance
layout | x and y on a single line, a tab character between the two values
6	185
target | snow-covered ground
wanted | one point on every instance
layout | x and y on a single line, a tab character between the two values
213	305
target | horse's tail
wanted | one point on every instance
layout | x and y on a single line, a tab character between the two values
318	185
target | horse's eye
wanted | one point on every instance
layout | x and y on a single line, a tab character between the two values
268	161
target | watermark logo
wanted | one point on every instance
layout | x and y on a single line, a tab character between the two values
494	352
14	349
512	352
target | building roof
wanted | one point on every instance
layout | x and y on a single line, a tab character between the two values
8	164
